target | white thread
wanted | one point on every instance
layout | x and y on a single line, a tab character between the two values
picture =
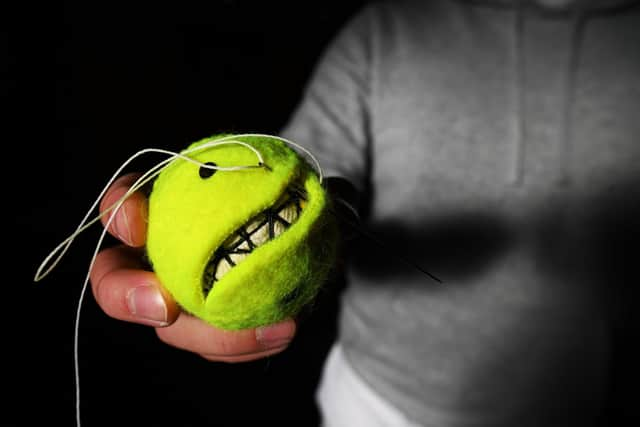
294	144
84	224
62	248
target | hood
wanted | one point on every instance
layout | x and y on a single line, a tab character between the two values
562	5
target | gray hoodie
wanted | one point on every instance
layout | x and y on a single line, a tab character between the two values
498	146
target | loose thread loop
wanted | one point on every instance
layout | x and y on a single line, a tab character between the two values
62	248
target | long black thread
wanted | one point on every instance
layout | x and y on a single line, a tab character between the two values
388	249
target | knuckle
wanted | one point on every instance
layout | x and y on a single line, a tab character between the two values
105	294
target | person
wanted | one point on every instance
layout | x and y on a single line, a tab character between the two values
495	142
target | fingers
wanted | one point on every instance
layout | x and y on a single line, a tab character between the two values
189	333
130	222
124	291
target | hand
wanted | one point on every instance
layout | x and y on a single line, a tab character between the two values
125	291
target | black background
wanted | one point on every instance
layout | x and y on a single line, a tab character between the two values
85	85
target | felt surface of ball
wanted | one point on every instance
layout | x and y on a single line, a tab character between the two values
245	248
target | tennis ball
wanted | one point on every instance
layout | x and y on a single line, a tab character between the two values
244	248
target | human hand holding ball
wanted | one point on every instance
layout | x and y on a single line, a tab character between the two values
125	291
234	254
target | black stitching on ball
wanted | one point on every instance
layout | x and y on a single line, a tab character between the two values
207	172
291	296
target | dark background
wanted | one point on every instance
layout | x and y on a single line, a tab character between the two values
84	86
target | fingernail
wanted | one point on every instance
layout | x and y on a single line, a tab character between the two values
122	225
276	335
146	303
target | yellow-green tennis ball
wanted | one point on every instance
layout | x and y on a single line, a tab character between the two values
219	241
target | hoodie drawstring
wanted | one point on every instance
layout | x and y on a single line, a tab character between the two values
568	98
565	144
517	169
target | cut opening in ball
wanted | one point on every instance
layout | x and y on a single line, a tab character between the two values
262	228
